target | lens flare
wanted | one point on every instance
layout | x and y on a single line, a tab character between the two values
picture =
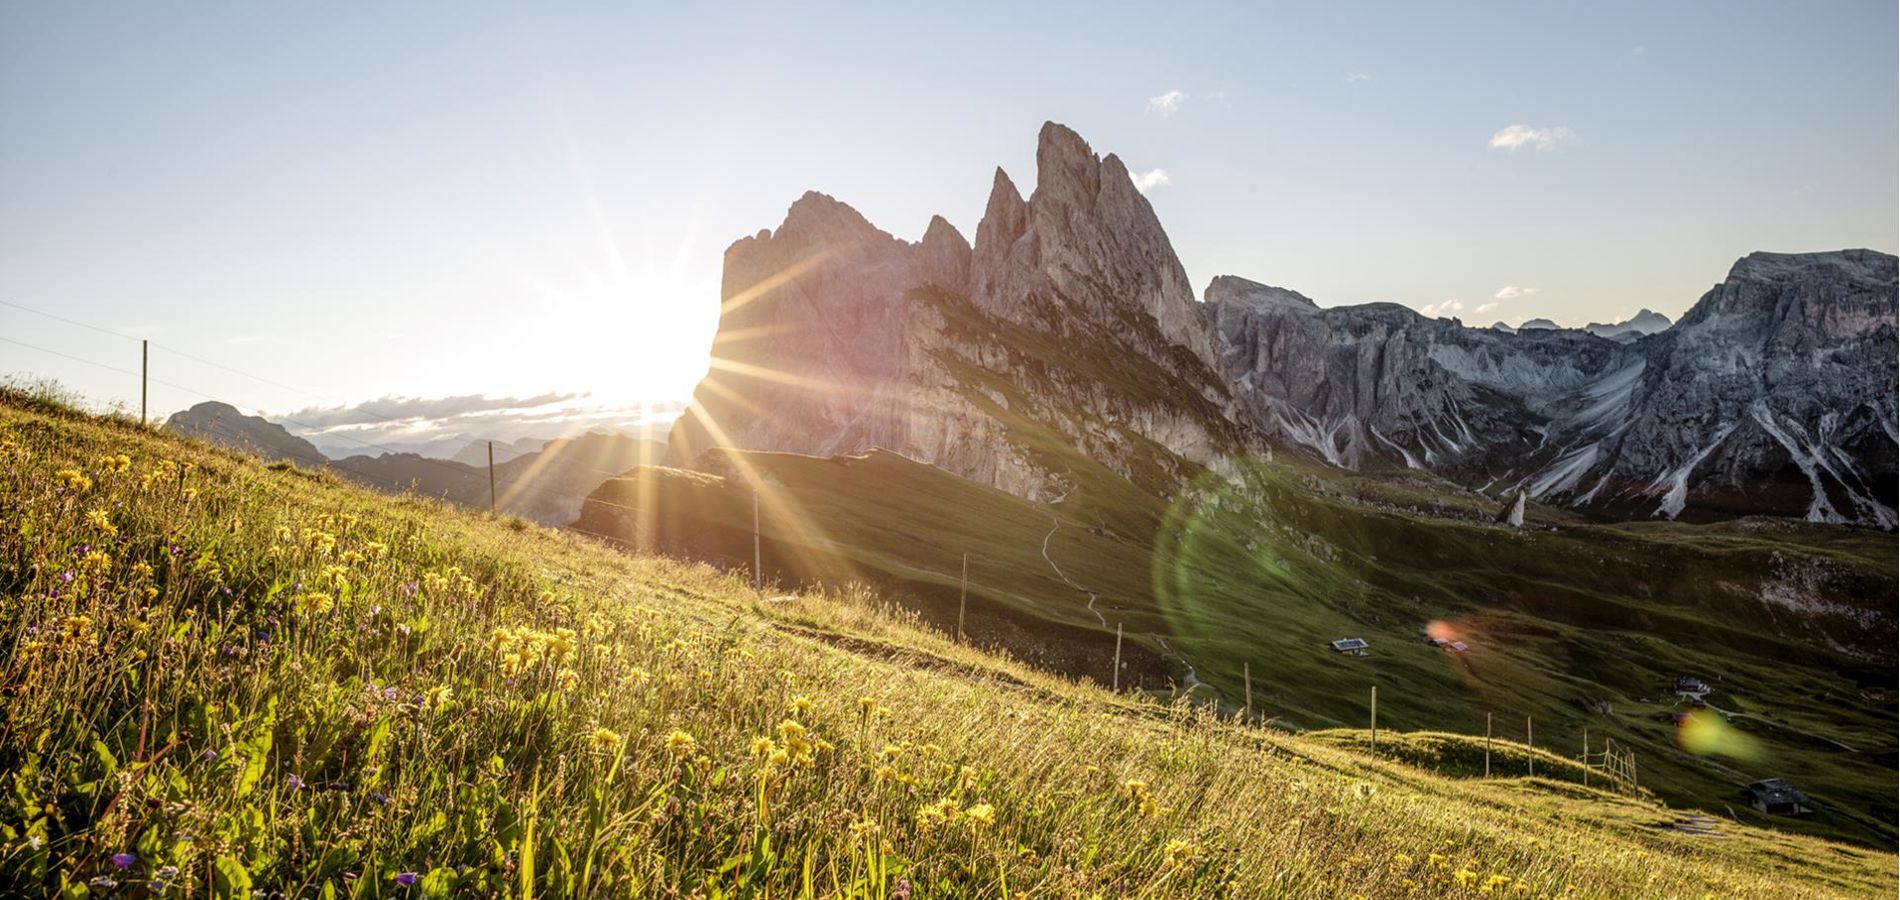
1705	733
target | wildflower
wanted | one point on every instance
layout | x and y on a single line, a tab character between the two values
863	828
437	696
101	523
762	747
166	873
566	679
406	878
1179	852
124	861
1465	877
314	603
801	705
294	783
1400	859
605	740
981	814
885	774
679	743
1436	860
74	479
867	704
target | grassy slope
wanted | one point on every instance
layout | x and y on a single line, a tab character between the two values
263	708
1560	617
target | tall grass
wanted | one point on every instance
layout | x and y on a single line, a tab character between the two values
224	678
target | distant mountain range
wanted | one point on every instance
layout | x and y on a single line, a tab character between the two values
541	480
1070	323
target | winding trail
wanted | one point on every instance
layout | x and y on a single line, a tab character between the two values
1055	525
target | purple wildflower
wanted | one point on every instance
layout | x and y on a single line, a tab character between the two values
379	799
211	756
124	861
294	783
406	878
390	694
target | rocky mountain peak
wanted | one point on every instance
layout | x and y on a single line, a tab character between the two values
943	256
820	218
1867	269
1087	241
1232	289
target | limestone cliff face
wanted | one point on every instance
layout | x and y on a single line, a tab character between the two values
1071	320
1774	394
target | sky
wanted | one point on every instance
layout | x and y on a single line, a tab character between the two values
319	210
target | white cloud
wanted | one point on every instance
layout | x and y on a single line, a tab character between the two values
1525	136
1485	308
1512	292
1167	103
1151	179
1436	309
1358	76
412	409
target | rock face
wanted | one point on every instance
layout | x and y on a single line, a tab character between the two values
1774	394
1513	512
1070	322
1359	384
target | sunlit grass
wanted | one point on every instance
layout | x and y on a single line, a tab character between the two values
223	677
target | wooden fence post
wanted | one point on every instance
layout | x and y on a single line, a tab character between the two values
145	376
491	478
1530	747
1375	717
1246	675
963	596
1487	745
758	559
1116	679
1586	757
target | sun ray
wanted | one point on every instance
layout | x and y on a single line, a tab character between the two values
771	283
778	502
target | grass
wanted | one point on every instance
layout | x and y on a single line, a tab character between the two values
223	677
1580	626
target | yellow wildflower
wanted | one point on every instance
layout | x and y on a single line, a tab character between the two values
679	743
101	523
603	739
981	814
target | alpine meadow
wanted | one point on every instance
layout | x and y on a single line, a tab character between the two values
836	451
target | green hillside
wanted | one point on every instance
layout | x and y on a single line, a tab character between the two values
224	677
1578	626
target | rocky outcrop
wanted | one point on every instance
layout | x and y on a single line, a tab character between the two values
1069	322
1513	512
1379	383
1775	394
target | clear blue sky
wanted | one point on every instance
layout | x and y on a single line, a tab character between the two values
426	199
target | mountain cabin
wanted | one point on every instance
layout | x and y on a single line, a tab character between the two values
1776	797
1351	646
